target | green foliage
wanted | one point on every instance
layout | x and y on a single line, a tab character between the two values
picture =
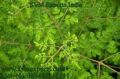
85	40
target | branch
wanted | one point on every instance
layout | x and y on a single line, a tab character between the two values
100	63
110	68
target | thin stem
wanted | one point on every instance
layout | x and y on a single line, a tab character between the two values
64	15
16	43
109	57
114	67
55	53
57	25
98	70
89	58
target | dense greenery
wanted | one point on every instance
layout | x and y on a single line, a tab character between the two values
84	39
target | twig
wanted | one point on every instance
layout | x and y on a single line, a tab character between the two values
55	53
16	43
114	67
64	15
52	18
89	58
109	57
100	18
20	10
